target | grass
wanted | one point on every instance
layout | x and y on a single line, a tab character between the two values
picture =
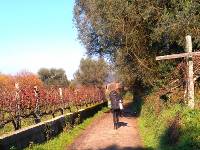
152	126
67	137
24	123
163	131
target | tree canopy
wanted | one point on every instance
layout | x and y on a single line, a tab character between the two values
55	77
92	72
133	32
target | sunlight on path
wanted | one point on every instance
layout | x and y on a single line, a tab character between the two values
100	135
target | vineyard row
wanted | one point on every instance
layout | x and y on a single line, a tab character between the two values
36	102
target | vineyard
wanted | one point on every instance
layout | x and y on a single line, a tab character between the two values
25	96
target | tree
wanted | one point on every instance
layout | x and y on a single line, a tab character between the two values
56	77
92	72
133	32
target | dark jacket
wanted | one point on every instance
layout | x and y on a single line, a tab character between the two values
115	98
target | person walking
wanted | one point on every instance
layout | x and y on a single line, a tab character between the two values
115	105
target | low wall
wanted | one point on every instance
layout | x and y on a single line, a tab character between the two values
45	130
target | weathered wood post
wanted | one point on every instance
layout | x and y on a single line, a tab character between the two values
62	106
190	72
17	121
190	80
37	106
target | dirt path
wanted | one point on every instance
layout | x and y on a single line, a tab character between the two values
100	135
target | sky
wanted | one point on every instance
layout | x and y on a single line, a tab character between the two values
38	33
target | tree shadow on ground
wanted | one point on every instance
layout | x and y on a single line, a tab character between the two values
137	105
171	139
134	108
139	90
116	147
128	112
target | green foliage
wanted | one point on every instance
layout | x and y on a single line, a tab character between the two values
13	148
56	77
190	130
133	32
175	127
128	97
92	72
179	18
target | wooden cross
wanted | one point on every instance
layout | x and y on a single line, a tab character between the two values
188	55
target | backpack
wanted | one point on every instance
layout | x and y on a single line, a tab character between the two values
115	98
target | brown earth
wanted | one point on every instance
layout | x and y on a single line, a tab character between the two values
100	135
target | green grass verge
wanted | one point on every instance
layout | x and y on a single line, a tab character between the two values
159	133
66	138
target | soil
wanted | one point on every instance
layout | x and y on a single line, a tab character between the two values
100	134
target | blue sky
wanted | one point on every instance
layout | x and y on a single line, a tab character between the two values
36	34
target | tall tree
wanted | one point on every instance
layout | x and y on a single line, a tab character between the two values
133	32
92	72
56	77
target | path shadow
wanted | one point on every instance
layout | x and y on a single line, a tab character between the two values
122	124
137	105
116	147
139	91
127	112
134	108
172	135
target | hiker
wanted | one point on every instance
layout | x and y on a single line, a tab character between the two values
115	105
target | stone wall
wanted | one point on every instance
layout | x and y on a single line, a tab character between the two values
45	130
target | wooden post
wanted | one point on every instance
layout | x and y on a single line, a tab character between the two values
62	106
36	92
190	73
190	80
61	96
37	106
60	92
17	122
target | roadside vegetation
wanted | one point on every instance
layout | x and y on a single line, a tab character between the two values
166	125
67	137
131	33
